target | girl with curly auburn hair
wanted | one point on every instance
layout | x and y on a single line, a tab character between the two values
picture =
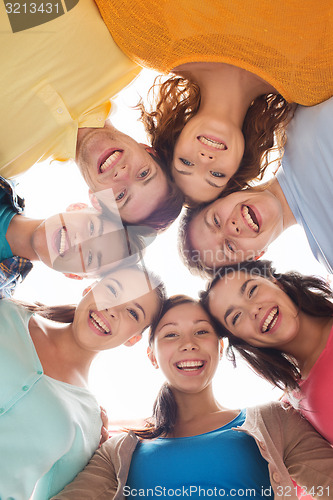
192	439
282	324
236	70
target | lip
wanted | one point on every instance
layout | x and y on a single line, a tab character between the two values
56	237
105	155
256	214
190	373
92	323
277	324
220	146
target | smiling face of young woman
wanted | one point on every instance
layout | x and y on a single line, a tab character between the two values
255	309
115	311
207	154
186	348
83	242
236	228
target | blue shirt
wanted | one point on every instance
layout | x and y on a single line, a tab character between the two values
205	465
12	268
49	429
306	176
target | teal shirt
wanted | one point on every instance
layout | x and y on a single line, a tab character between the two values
49	429
7	212
222	461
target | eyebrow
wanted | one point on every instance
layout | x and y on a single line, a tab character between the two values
101	227
141	309
183	172
99	260
212	184
242	291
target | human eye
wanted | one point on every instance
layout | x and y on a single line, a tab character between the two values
112	289
216	221
186	162
90	258
235	319
91	227
170	335
252	290
133	313
144	173
121	195
216	174
229	246
201	332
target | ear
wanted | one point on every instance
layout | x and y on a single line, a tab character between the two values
221	347
88	288
94	201
260	255
73	276
133	340
149	149
74	207
152	358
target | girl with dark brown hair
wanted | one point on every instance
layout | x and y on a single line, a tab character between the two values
282	325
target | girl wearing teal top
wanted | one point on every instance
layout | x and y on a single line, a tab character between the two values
49	421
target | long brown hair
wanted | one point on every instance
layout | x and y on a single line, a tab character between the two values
60	313
310	294
163	420
177	100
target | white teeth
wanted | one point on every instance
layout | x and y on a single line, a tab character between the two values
99	323
111	159
190	365
248	218
269	321
211	142
62	244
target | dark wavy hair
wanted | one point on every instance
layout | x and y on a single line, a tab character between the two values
163	420
310	294
177	100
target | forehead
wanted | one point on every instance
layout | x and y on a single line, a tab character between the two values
188	312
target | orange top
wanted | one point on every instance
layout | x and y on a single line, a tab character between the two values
289	43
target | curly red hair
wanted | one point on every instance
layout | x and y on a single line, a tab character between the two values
177	100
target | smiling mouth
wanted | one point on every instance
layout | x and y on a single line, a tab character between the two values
250	218
271	320
99	324
190	366
61	241
110	160
213	143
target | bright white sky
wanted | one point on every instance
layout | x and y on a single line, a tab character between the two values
123	380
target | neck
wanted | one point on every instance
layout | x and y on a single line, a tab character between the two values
274	188
307	346
198	413
61	357
225	89
19	234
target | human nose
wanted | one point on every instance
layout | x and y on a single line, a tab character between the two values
121	173
205	157
188	344
233	227
254	310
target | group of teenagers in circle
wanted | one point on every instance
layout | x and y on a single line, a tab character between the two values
244	80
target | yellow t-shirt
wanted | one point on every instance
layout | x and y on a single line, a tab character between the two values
55	78
288	43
